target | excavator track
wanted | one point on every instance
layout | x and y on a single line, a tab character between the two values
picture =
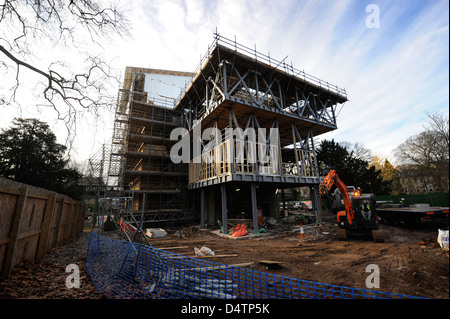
341	234
377	235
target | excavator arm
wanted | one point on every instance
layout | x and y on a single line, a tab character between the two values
333	179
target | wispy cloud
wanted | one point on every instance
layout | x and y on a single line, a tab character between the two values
393	74
393	85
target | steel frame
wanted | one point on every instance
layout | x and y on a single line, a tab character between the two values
265	92
236	87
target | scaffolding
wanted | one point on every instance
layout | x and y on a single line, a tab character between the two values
139	162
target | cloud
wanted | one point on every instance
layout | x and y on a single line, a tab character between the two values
392	87
393	74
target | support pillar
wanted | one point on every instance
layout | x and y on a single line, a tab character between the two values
283	197
224	209
254	208
202	208
316	202
144	200
210	206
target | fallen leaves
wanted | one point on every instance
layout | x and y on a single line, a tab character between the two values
46	279
43	280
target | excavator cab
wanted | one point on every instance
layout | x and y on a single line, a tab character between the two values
365	219
364	207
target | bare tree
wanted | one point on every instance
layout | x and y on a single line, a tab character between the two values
438	123
358	150
429	150
78	27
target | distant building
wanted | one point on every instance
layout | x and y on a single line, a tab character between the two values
415	180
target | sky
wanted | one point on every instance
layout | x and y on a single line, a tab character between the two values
391	57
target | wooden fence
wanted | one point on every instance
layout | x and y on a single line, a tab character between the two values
33	220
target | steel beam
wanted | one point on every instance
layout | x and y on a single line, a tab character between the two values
202	208
316	202
224	209
254	208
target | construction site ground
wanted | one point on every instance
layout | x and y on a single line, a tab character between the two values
410	261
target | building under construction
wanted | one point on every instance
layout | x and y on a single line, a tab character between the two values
139	165
235	90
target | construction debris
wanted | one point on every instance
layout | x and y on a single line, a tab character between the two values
186	232
173	248
443	239
155	232
239	230
204	251
176	279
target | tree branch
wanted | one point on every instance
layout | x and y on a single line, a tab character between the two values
26	24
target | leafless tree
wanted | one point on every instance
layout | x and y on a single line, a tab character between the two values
358	150
438	123
79	27
429	150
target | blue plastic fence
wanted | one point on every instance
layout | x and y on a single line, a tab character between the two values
121	269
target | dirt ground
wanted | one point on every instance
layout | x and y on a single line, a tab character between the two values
410	261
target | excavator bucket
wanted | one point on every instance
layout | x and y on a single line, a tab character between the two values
322	189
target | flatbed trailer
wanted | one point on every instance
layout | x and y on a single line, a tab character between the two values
395	214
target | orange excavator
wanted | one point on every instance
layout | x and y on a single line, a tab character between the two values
359	215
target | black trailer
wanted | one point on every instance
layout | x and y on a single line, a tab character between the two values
393	214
